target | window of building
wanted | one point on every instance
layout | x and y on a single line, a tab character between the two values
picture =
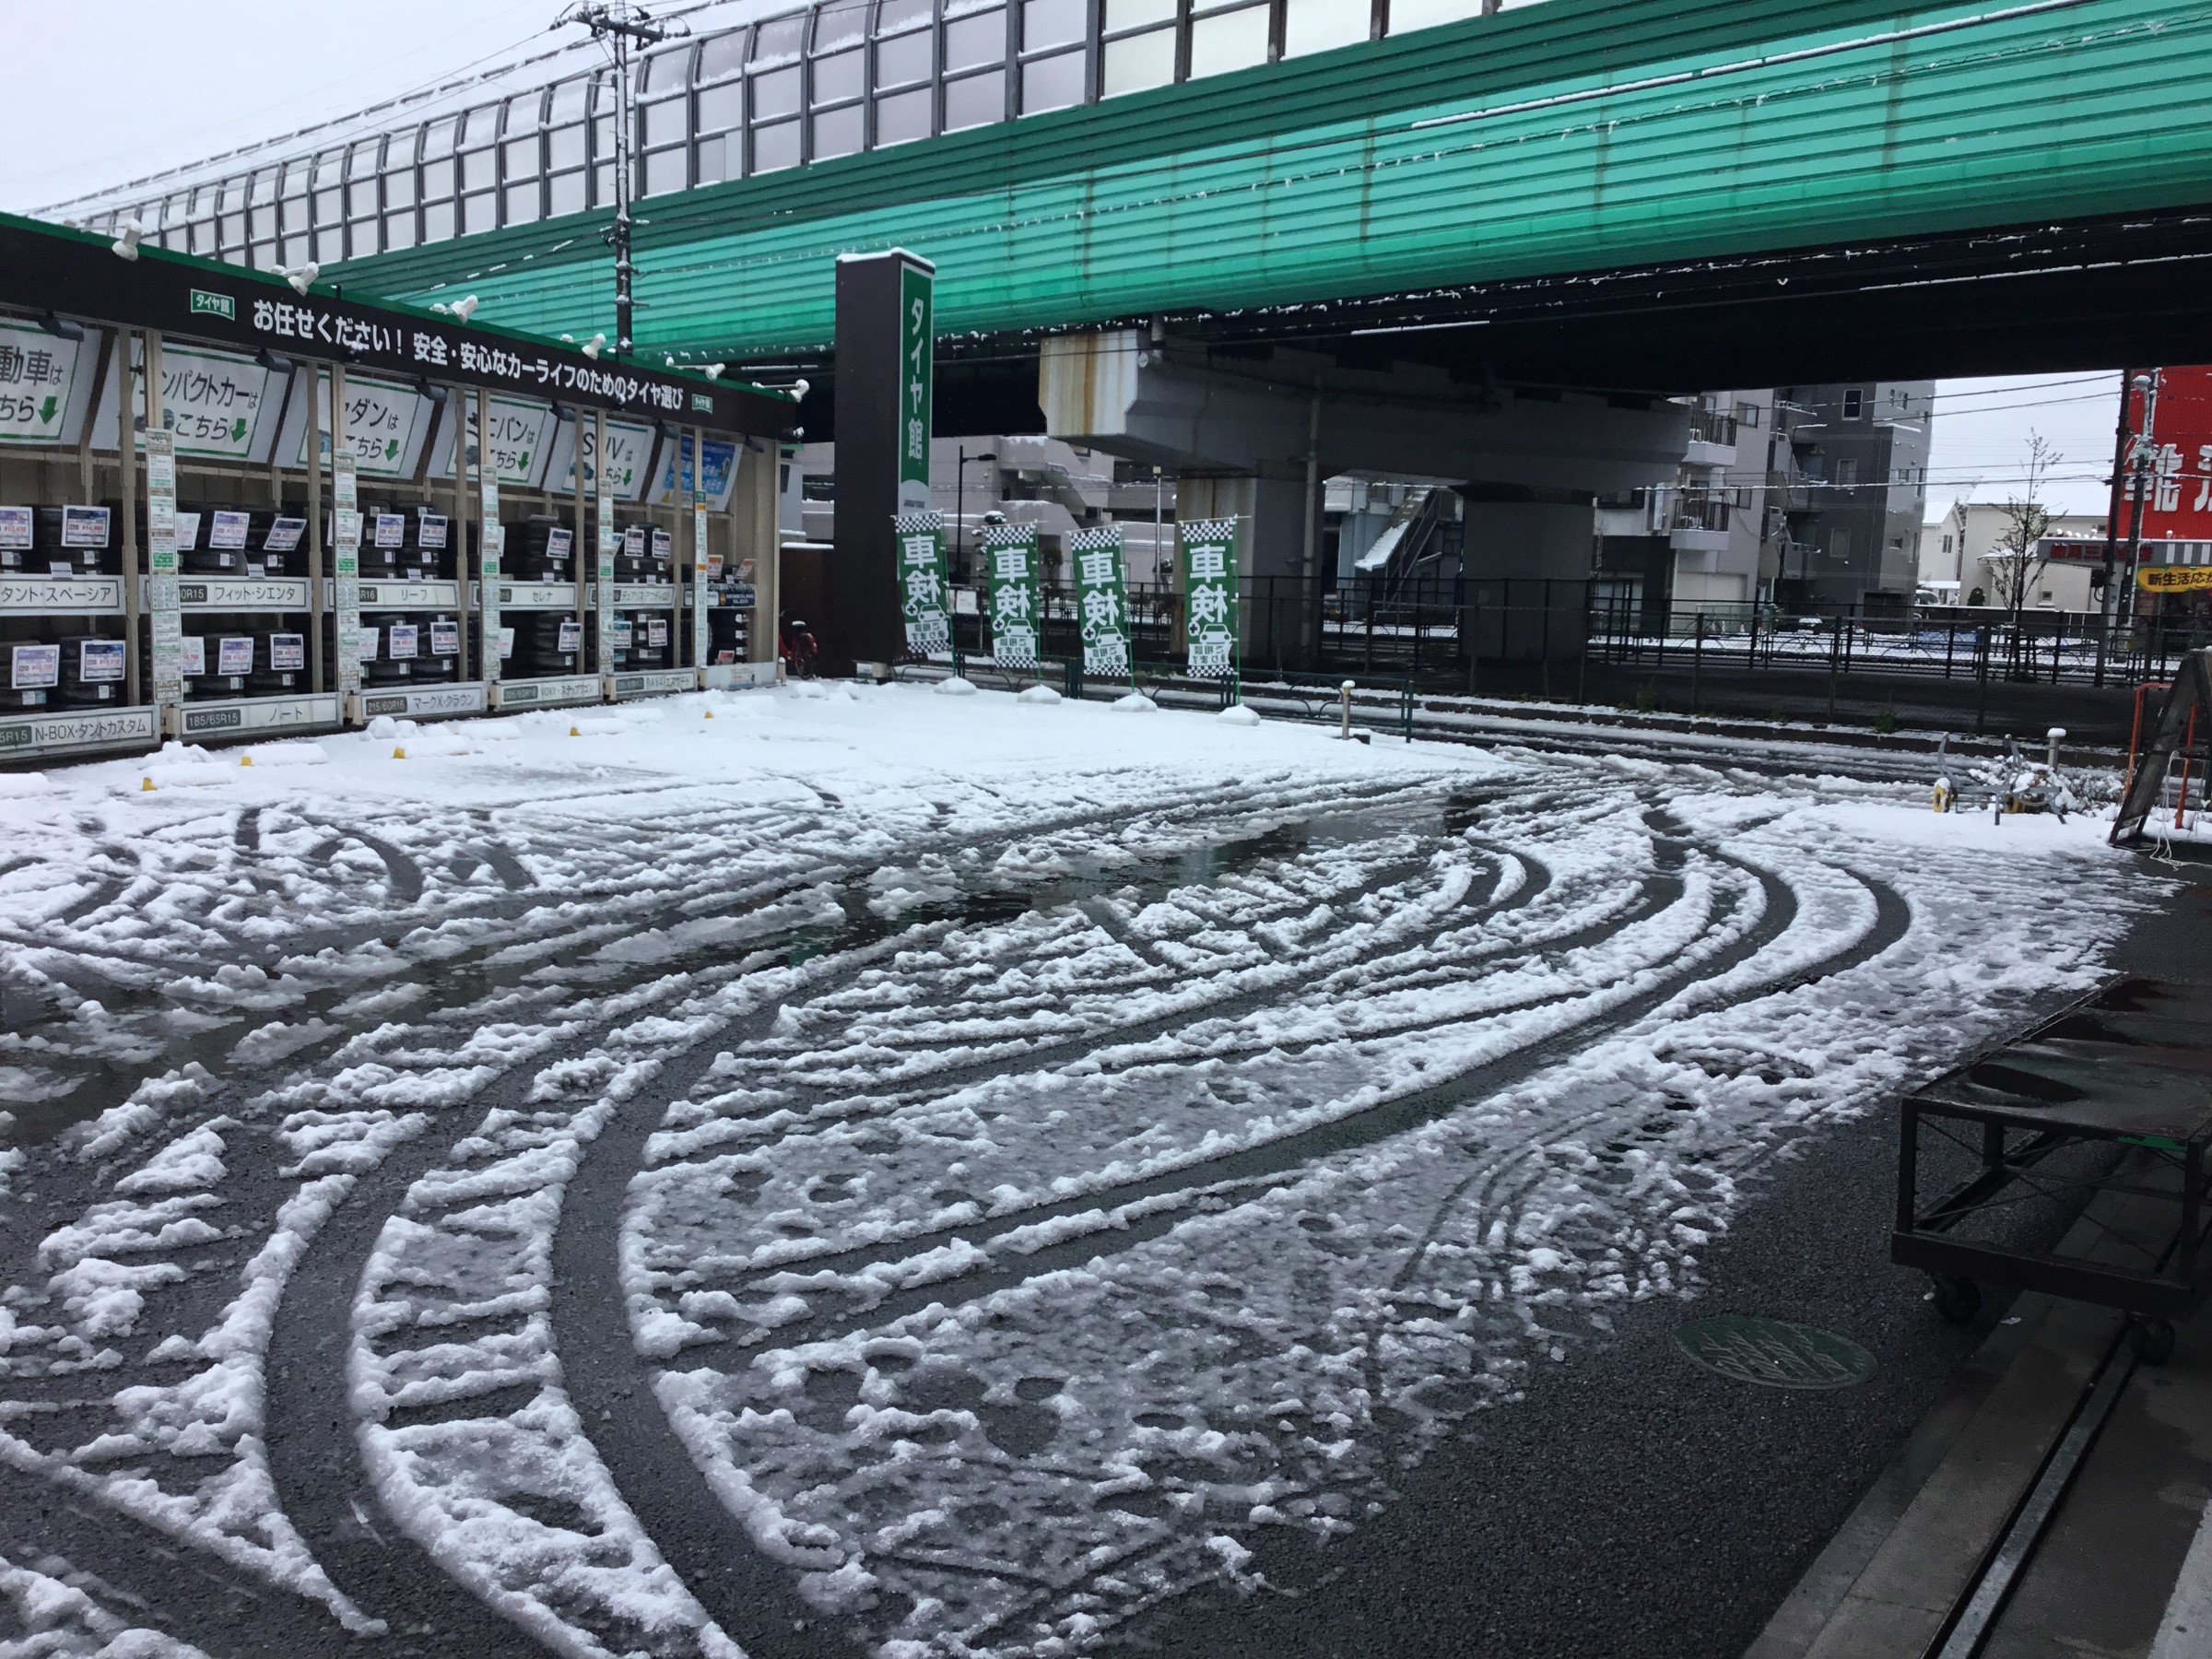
1228	40
231	211
1321	25
1747	414
838	77
1051	83
776	147
667	171
565	146
975	100
1855	404
722	108
1046	23
1847	472
564	193
1137	62
666	123
479	158
975	41
780	40
902	117
1408	14
667	71
904	60
838	131
839	23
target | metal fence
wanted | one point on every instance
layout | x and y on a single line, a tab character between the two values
1949	643
1439	630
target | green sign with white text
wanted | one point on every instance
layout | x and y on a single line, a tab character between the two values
1103	600
923	596
1017	600
1210	596
917	308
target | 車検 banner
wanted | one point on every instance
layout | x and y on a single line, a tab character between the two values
1103	600
1017	601
1210	596
923	598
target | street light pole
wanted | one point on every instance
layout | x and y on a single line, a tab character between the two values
616	27
1159	491
959	498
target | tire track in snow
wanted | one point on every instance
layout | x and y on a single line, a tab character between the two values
324	1466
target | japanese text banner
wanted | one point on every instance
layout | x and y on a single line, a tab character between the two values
1103	600
1017	601
923	596
1210	596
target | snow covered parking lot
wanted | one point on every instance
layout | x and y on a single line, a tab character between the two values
859	1170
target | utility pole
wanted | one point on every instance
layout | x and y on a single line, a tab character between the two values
618	27
2107	596
2147	386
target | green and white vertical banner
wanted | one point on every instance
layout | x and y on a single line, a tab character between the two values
1017	599
1102	601
346	565
492	551
925	594
917	382
1210	596
165	617
604	582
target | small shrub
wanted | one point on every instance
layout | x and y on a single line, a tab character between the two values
1647	701
1885	720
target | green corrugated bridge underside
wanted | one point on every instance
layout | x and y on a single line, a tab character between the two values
1579	136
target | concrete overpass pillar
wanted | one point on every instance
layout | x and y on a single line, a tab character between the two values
1271	619
1237	426
1527	584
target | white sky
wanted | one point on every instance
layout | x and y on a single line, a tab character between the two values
1979	443
177	83
182	82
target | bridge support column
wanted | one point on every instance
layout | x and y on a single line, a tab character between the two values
1526	591
1272	616
1249	429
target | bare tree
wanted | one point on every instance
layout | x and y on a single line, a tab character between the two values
2021	555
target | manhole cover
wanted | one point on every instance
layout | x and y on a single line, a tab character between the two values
1774	1352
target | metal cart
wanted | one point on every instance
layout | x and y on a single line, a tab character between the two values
2114	1095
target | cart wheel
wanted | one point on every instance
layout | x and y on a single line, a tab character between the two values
1958	1299
2152	1339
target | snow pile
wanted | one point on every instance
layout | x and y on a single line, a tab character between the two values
1239	714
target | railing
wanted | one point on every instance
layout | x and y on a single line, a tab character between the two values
1443	630
1711	426
1699	510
